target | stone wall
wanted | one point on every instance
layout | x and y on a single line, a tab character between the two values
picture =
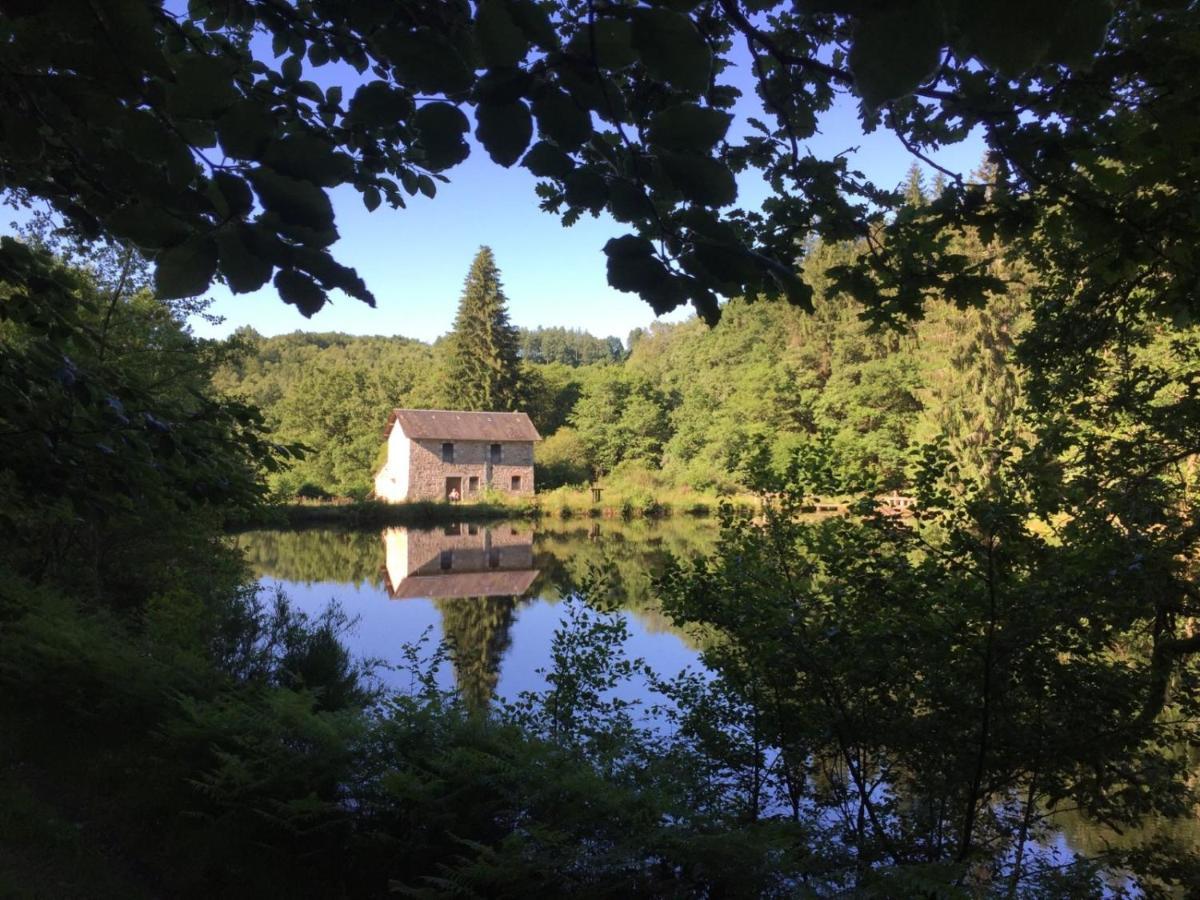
427	473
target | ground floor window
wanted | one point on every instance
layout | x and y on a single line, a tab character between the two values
473	484
516	482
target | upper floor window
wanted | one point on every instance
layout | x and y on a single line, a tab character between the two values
495	451
447	452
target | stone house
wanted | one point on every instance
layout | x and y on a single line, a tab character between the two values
439	454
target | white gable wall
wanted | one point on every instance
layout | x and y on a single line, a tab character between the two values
391	483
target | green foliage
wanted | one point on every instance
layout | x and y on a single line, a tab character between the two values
561	459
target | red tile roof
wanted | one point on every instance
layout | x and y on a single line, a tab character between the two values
455	425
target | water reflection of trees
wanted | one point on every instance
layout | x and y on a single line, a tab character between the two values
342	557
478	630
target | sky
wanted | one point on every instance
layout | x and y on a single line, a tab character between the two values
415	259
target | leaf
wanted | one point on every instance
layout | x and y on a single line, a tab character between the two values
587	189
299	290
244	271
234	194
632	267
505	130
1012	36
293	200
441	127
688	127
612	40
1080	32
547	161
534	21
202	88
501	41
896	49
671	48
309	157
378	103
149	226
561	120
371	198
700	179
186	269
245	129
426	61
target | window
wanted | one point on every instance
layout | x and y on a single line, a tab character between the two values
516	482
454	529
473	484
495	451
447	452
472	529
447	559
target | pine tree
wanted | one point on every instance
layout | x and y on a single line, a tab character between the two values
914	187
484	370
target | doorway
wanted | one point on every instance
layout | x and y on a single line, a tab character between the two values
454	488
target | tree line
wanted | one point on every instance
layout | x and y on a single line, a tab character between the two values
770	388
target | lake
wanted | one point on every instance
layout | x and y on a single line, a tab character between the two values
497	591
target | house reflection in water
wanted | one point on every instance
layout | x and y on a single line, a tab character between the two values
458	561
475	576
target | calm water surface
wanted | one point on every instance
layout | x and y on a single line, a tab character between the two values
496	590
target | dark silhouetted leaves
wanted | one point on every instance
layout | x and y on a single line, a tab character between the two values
700	178
671	48
561	120
441	127
244	270
245	129
427	61
186	269
299	290
501	41
547	161
295	201
505	130
378	103
688	127
895	50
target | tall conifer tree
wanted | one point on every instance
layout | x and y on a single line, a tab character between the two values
484	370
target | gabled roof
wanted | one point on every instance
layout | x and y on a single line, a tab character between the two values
455	425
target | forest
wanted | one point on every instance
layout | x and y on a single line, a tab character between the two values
711	409
890	706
